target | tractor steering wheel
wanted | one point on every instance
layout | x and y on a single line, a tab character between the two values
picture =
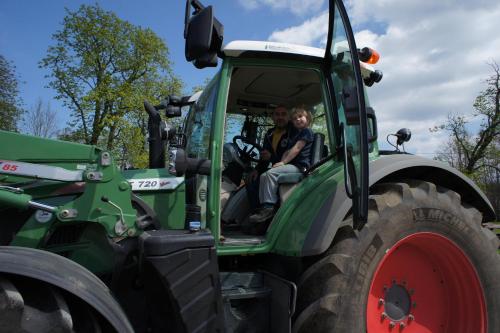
248	152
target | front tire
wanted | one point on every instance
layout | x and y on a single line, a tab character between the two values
422	263
29	305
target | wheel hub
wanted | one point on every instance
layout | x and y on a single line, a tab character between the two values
397	302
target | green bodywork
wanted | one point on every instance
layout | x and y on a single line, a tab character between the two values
93	202
169	205
92	220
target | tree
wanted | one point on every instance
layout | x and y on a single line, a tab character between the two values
41	121
102	68
10	110
478	156
202	86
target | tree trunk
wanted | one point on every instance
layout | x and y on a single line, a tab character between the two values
111	136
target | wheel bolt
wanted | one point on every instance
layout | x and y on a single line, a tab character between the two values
391	325
383	316
411	317
381	302
401	326
414	304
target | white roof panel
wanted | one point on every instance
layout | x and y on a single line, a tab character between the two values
237	47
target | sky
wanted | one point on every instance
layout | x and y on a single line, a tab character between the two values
434	54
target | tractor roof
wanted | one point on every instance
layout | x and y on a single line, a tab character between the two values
241	47
247	48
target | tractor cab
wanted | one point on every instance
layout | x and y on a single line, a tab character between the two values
225	128
254	91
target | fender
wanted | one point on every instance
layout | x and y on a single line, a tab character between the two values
392	168
65	274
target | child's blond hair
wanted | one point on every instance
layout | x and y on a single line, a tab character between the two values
302	112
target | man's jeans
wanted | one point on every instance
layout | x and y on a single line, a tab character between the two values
268	189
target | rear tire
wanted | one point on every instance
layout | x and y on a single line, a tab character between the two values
422	263
28	305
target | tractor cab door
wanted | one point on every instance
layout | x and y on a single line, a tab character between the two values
348	104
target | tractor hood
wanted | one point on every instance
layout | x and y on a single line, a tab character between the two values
33	149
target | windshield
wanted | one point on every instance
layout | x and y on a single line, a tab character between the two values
199	122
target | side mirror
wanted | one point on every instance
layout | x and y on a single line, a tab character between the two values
209	60
203	34
199	34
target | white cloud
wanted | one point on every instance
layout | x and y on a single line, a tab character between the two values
367	37
433	56
310	32
297	7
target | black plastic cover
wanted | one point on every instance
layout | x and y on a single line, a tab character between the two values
247	302
164	242
181	277
258	302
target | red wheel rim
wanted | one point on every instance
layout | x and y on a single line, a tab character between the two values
426	284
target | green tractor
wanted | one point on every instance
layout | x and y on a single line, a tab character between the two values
363	240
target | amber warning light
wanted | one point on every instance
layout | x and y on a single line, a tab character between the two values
368	55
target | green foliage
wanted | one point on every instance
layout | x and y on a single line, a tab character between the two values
10	110
103	68
202	86
131	145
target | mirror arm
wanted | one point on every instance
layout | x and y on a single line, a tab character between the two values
197	5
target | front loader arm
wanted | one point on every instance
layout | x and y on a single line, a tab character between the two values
106	196
14	197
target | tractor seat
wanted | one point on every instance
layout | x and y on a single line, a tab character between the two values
290	178
317	153
288	181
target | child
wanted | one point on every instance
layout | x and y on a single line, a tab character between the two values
294	160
